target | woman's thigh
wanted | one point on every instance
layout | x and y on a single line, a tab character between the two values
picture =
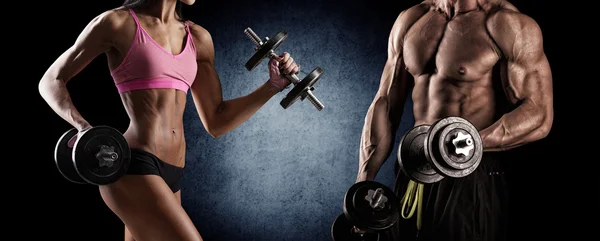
129	236
178	196
149	209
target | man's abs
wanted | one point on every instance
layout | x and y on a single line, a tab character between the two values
435	97
157	123
452	62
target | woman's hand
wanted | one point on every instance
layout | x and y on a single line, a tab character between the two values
81	131
279	67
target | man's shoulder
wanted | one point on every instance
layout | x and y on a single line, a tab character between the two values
503	12
512	29
507	19
411	15
493	6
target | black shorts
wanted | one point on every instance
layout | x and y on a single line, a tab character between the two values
471	208
146	163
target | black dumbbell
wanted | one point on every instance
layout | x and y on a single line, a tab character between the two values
99	156
302	88
369	209
450	147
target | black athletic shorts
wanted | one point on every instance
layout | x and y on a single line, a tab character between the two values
146	163
471	208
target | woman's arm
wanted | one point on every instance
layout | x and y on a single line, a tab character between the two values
92	41
221	116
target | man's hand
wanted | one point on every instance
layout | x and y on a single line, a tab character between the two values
279	67
358	230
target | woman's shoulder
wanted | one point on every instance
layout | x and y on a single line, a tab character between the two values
199	33
111	20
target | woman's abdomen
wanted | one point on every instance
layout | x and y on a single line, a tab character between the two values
156	123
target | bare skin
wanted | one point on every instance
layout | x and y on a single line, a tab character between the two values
447	50
146	205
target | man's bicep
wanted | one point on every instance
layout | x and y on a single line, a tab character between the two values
529	78
393	90
391	77
397	81
528	73
400	89
387	106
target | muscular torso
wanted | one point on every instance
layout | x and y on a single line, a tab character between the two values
156	115
451	61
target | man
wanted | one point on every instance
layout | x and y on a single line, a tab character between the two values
462	58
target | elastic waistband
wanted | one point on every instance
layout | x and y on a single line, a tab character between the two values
140	152
493	163
162	83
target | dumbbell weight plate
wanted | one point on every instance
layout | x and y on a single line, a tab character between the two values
63	158
343	230
264	50
441	152
301	88
89	144
467	158
359	212
411	156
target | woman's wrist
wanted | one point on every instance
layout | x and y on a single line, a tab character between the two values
272	88
82	125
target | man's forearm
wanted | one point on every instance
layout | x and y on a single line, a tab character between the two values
525	124
372	158
232	113
376	141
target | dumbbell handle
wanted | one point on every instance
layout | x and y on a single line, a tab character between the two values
295	80
106	156
292	77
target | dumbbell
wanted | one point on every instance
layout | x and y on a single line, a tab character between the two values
302	88
99	156
369	209
450	147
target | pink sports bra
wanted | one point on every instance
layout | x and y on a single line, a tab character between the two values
147	65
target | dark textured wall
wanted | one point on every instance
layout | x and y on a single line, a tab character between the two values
282	174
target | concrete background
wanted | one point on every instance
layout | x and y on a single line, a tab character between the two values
282	174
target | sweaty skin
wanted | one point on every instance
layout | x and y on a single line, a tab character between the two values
455	55
145	203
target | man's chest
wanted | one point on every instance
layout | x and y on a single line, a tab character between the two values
456	48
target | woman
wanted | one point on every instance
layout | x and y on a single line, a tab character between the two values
154	58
